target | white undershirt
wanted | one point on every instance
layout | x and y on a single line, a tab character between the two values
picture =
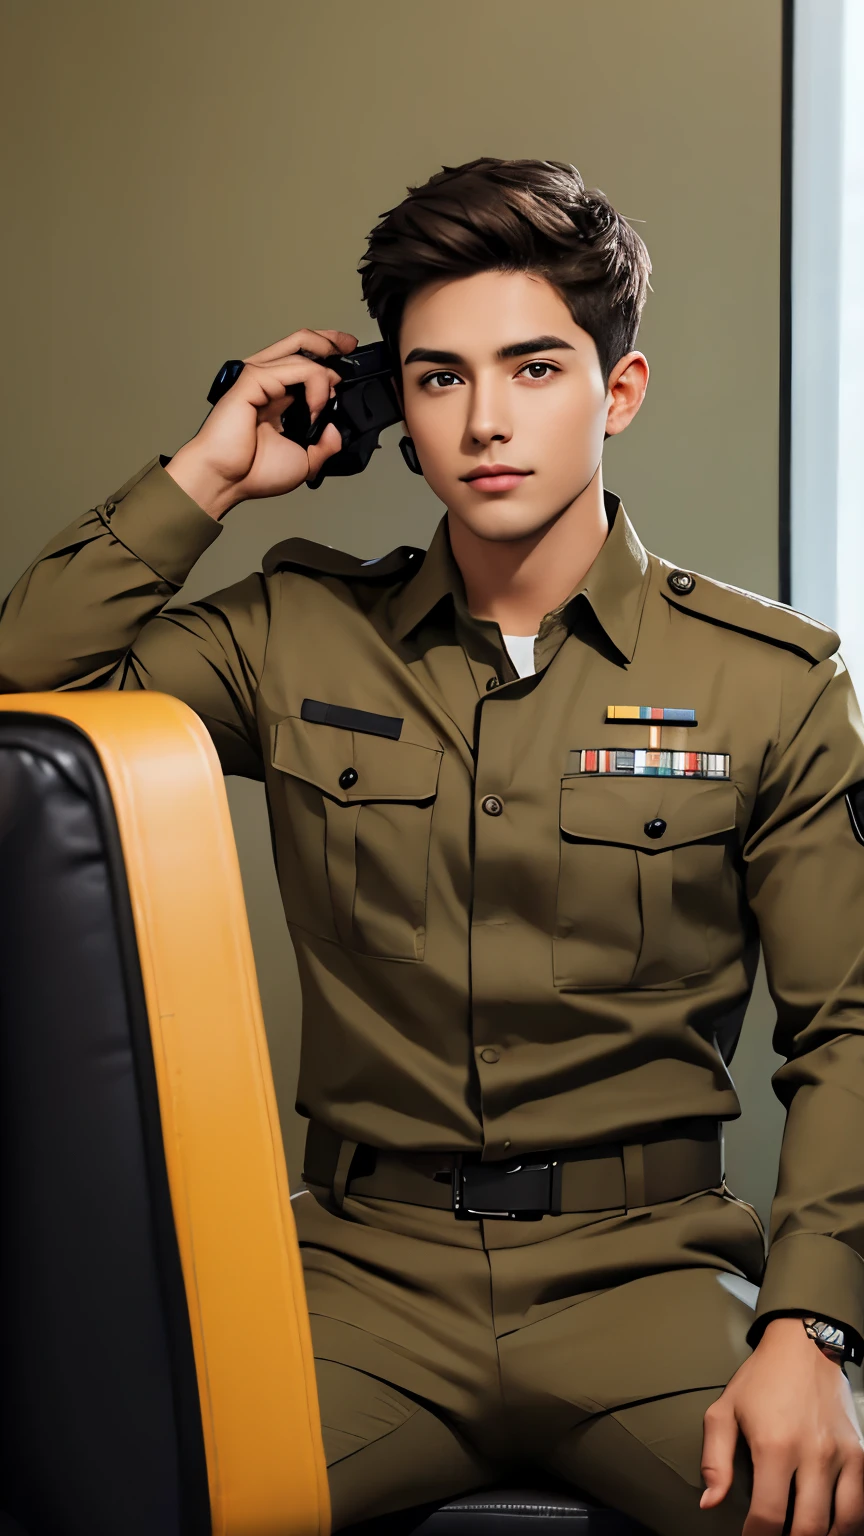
520	649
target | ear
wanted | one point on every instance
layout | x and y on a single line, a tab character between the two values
628	382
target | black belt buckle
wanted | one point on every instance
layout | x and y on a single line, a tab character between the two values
522	1191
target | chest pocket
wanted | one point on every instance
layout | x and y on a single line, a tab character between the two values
632	909
357	811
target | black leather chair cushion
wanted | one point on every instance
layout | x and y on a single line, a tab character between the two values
100	1429
524	1512
558	1511
100	1432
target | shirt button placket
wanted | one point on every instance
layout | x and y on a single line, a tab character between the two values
493	806
492	834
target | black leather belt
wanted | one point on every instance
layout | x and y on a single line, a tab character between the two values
685	1157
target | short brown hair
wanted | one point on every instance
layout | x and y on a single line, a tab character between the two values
512	216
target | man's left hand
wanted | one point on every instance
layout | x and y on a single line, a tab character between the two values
796	1411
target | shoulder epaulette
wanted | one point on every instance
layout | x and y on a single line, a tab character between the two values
747	611
305	555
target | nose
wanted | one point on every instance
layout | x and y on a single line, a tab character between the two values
488	417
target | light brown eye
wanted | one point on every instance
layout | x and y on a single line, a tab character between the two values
430	376
548	366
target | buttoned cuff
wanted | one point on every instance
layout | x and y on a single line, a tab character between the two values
159	523
811	1274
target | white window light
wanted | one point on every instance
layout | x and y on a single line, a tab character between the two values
827	354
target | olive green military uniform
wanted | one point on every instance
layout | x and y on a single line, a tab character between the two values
515	934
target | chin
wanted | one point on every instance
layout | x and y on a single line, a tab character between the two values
500	523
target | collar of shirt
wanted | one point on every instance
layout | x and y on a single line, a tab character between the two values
614	586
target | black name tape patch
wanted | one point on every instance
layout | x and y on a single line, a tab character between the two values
351	719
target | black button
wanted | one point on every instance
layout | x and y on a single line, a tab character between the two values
347	777
492	683
492	805
681	582
655	828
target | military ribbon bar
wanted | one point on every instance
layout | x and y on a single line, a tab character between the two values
650	713
656	764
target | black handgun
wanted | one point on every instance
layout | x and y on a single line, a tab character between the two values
361	406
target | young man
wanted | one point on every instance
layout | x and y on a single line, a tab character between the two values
536	796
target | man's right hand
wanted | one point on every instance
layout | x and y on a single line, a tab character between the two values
240	451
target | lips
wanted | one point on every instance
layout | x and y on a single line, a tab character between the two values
495	479
486	471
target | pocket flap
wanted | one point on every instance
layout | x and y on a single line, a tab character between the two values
386	768
617	810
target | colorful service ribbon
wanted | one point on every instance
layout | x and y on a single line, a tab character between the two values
657	764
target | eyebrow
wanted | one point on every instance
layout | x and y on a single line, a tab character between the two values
515	349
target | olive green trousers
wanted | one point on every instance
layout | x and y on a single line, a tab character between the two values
454	1355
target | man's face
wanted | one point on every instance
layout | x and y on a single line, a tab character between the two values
543	412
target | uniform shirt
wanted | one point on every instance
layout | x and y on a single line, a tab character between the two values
501	947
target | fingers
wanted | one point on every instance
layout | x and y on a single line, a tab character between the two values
814	1490
328	443
343	341
272	417
849	1497
263	383
719	1438
773	1468
272	413
322	343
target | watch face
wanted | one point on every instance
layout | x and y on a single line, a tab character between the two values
827	1337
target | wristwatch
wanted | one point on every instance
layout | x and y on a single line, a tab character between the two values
830	1339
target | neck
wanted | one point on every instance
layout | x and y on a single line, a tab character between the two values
516	582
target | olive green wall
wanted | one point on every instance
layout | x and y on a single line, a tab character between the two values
186	182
